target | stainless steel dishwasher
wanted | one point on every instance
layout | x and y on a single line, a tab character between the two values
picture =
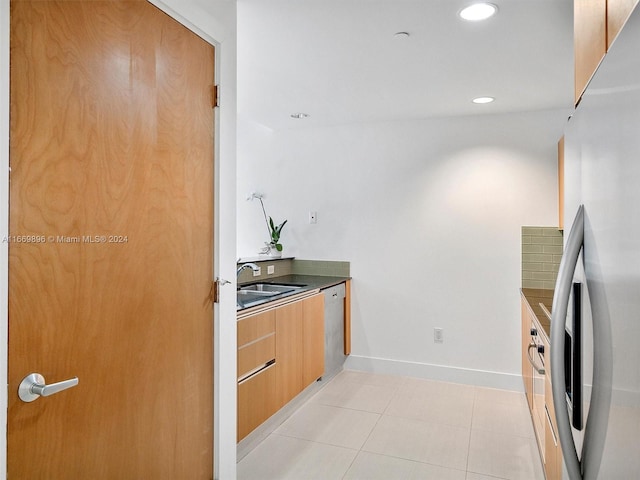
334	355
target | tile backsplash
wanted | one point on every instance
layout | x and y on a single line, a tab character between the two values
288	266
541	254
282	266
321	267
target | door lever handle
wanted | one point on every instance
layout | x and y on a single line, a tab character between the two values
33	386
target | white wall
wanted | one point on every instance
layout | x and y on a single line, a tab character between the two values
429	214
215	21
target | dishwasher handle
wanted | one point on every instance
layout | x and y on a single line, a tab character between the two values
334	294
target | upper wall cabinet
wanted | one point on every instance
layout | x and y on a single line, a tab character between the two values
589	40
596	23
618	12
561	184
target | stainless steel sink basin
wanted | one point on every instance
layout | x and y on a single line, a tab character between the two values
269	288
257	293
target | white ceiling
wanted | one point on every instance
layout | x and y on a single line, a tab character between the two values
338	60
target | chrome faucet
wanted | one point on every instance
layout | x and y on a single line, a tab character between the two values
251	265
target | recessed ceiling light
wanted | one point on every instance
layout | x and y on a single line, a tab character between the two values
299	115
481	100
478	11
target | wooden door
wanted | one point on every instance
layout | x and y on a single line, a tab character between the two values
110	260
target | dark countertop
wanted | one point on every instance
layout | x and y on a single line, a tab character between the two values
308	282
535	296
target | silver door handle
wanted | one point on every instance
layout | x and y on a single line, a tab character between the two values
33	387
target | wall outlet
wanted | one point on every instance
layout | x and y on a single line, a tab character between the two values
271	269
258	272
438	335
313	217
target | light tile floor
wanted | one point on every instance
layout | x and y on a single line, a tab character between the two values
368	426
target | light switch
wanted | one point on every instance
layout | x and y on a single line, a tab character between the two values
438	335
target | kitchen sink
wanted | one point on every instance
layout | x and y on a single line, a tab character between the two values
257	293
268	288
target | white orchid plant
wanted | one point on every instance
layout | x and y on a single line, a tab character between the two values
273	230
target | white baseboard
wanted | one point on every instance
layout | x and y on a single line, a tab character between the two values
467	376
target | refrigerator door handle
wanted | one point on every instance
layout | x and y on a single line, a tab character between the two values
558	318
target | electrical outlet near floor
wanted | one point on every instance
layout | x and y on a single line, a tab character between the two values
438	335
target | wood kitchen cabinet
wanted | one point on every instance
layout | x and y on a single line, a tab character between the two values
256	371
552	449
561	184
347	317
299	346
552	453
256	400
589	40
596	24
618	12
527	372
280	353
539	394
289	347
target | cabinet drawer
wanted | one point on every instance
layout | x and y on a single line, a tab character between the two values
255	327
548	401
552	452
256	400
548	393
255	355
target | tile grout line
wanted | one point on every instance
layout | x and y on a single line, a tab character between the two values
473	409
396	391
397	388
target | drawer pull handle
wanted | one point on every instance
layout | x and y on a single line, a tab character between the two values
256	371
545	310
540	370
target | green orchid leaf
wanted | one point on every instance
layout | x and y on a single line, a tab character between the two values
274	231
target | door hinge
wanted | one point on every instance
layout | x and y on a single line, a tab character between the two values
214	294
215	96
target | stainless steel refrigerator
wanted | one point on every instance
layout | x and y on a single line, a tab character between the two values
595	330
